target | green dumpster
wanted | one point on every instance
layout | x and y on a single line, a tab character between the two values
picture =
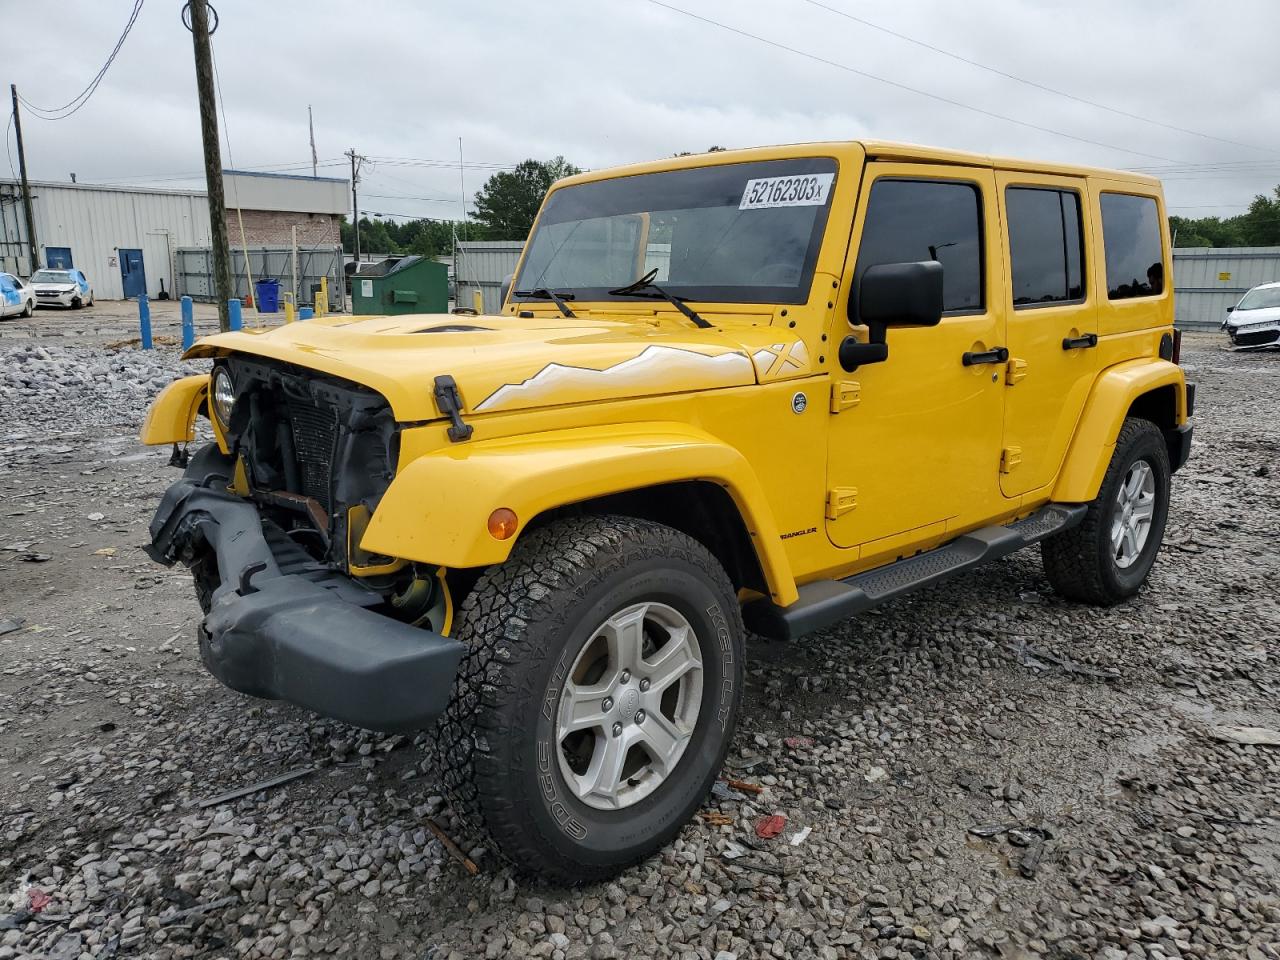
400	285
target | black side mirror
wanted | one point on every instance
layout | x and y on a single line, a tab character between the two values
1229	309
891	295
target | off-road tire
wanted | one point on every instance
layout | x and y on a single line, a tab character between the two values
1079	562
524	623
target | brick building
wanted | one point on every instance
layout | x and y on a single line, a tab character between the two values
272	204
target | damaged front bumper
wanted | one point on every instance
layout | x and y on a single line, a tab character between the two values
1254	336
292	630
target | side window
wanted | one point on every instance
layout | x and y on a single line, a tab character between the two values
1044	245
1131	235
909	220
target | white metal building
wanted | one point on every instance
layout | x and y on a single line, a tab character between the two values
124	239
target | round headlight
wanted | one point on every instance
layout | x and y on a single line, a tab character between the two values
222	396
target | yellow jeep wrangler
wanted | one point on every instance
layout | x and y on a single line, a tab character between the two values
761	389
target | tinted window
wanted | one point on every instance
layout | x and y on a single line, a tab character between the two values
909	220
1044	245
1131	234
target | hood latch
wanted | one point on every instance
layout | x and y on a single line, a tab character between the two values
449	402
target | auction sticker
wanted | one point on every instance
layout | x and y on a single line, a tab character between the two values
805	190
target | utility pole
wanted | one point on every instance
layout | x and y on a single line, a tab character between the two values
212	161
33	248
356	160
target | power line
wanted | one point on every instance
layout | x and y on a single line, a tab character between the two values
80	99
405	196
1032	83
902	86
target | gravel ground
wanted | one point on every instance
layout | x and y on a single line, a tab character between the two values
978	770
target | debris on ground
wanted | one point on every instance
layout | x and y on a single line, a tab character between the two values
744	786
11	625
258	787
454	850
770	826
797	743
1039	659
716	818
800	836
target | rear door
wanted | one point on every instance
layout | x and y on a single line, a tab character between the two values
915	440
1052	324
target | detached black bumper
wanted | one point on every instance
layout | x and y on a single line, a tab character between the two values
302	634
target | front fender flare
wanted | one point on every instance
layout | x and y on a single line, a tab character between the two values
172	415
436	510
1113	393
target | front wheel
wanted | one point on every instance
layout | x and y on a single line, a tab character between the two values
596	703
1107	557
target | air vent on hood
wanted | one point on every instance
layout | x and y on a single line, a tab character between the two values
454	328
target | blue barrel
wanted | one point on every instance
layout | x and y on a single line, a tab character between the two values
268	292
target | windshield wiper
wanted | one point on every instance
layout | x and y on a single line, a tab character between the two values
636	289
542	293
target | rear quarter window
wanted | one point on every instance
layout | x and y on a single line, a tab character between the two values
1131	238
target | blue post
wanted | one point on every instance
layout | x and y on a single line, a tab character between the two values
234	307
144	320
305	313
188	323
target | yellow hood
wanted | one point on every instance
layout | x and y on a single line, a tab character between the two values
503	363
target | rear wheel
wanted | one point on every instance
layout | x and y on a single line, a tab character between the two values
1107	557
597	700
29	309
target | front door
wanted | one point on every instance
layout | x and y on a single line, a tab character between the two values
1052	329
132	276
915	440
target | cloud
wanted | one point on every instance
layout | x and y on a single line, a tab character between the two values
612	82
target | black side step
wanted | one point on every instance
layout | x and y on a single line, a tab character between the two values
825	602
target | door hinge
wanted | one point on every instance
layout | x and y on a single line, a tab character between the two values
1015	370
845	394
1010	457
840	500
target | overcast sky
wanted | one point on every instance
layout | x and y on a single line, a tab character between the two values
604	82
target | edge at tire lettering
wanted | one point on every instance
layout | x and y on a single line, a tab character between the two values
726	658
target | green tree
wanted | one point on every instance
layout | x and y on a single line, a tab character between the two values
711	149
1259	226
508	202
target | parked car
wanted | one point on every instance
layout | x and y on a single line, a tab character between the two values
17	299
62	288
1254	322
765	388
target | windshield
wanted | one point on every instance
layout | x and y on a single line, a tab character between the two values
53	276
734	233
1259	298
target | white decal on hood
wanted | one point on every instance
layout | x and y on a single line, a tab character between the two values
657	369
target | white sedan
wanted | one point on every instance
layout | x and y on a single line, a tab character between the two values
1254	322
62	288
17	299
